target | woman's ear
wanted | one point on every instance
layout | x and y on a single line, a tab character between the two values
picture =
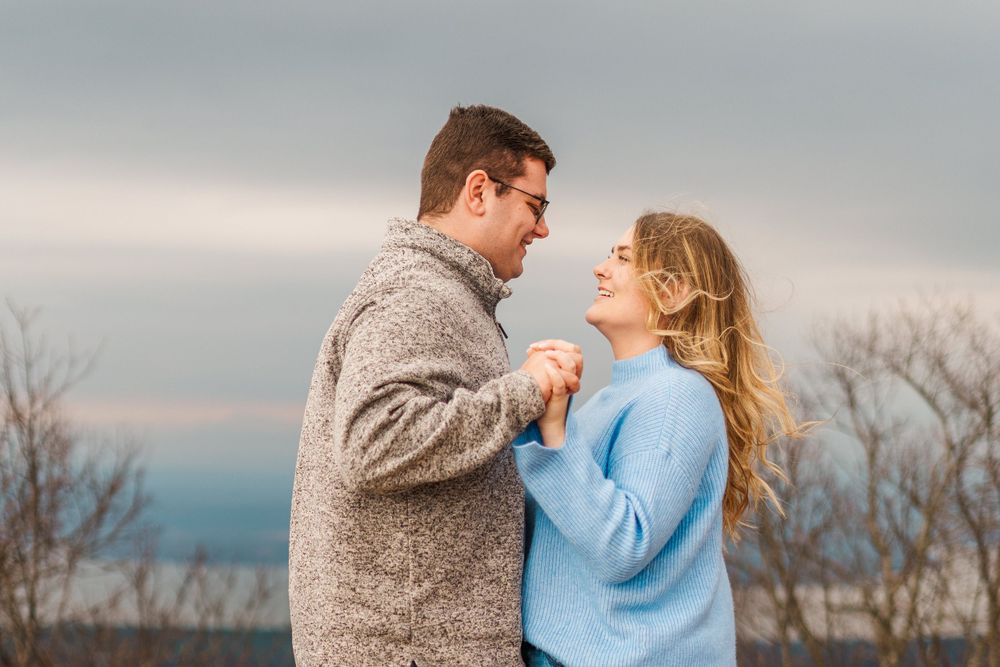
675	293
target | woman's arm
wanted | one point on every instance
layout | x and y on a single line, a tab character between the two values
620	521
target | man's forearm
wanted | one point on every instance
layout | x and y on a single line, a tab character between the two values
397	438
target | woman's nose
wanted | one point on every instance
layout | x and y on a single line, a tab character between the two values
600	271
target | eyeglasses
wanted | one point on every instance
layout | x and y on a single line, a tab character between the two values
543	201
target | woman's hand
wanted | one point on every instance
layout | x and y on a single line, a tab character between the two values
556	345
565	357
552	424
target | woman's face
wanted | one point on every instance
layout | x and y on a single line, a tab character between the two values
620	306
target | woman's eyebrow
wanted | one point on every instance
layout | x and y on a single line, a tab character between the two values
620	248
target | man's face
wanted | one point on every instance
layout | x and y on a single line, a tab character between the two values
511	227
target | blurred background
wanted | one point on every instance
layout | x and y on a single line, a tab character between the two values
189	190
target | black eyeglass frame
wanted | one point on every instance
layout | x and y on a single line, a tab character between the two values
545	202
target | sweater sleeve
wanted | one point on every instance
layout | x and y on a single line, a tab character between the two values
621	520
401	416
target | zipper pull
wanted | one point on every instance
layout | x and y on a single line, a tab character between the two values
500	327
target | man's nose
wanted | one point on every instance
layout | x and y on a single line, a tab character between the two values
541	228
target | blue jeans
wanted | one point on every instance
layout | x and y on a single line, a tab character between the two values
534	657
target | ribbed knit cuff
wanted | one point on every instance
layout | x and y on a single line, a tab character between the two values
533	458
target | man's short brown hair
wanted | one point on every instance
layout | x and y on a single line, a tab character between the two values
476	137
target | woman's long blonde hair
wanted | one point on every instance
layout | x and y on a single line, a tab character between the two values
701	306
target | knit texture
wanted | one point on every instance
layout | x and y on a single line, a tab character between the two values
624	522
407	510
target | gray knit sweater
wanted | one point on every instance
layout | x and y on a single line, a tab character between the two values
407	513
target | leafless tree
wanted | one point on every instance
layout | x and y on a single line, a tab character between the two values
893	511
192	614
949	358
62	503
780	566
67	503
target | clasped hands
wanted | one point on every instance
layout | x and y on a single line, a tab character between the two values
557	367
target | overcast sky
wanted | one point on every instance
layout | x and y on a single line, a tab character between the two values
198	185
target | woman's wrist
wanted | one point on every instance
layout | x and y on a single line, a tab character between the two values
553	432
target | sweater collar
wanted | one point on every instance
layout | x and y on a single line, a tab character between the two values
471	267
641	365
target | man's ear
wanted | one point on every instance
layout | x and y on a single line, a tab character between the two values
474	192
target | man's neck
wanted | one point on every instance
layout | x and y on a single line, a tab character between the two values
450	226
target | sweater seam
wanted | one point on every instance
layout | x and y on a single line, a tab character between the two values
606	434
659	435
411	587
670	460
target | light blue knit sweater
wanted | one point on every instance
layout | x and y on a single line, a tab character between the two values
624	525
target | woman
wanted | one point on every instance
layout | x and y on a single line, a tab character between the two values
628	499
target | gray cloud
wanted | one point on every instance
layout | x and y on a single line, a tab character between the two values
847	150
880	123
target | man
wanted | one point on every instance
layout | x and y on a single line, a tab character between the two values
407	512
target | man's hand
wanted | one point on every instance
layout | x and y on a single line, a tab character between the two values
562	364
541	363
556	345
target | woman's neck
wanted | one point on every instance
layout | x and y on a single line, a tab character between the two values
625	345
